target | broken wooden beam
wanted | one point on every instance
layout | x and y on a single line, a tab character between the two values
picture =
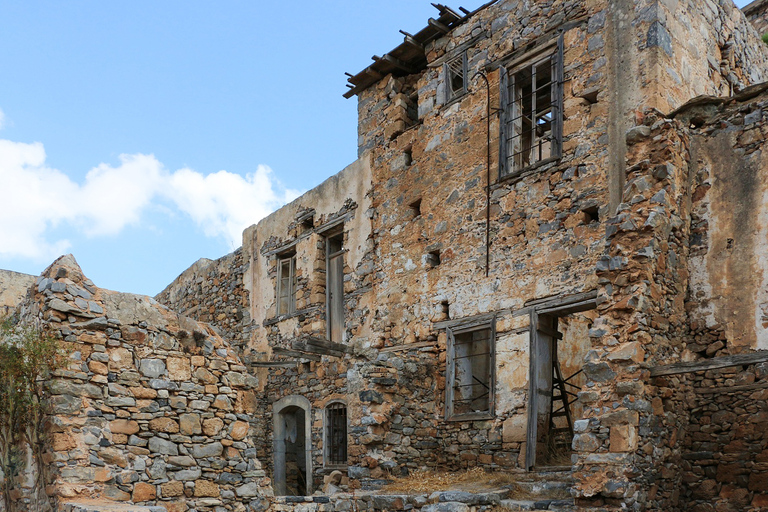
274	364
711	364
440	27
279	351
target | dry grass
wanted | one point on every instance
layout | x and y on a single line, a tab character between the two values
475	479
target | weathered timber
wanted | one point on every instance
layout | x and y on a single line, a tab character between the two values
711	364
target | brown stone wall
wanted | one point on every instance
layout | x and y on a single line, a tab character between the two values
151	407
725	448
214	292
757	14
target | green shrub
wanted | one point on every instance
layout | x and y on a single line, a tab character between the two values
765	38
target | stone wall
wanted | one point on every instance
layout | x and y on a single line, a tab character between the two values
13	289
214	292
151	407
757	14
724	459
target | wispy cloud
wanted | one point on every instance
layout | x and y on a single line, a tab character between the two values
2	119
38	199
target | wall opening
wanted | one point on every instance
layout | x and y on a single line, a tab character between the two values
292	446
559	342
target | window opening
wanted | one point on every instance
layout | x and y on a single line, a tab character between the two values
531	97
592	214
470	373
456	77
286	284
334	258
336	434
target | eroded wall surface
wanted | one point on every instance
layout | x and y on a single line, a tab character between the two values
13	289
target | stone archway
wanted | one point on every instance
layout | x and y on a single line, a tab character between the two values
292	446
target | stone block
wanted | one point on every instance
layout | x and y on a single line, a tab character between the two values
189	424
143	492
179	368
172	489
158	445
212	426
123	426
623	438
515	428
166	425
239	430
206	488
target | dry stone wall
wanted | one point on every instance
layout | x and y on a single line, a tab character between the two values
214	292
152	407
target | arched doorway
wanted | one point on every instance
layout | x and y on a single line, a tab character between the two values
292	446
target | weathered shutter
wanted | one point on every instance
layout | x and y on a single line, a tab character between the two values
557	100
492	383
450	377
504	117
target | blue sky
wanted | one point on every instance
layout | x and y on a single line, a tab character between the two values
141	136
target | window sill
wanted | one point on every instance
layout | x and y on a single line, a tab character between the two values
453	101
473	416
287	316
529	171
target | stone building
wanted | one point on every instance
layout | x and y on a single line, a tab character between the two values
548	258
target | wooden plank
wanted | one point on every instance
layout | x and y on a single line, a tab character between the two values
274	364
409	346
569	308
329	345
469	321
440	27
279	351
711	364
732	389
562	299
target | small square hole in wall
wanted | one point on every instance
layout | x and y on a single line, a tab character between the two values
408	155
308	224
592	215
445	310
415	208
433	259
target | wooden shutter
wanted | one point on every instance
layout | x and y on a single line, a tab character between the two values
557	100
504	117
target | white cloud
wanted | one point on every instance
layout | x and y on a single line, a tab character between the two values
37	198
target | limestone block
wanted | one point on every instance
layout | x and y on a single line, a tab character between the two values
179	368
164	425
212	426
239	430
190	424
623	438
206	488
120	358
514	429
172	489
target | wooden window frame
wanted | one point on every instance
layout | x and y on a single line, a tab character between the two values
328	435
336	233
450	375
457	66
290	260
510	106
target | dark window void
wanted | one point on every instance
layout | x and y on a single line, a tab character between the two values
531	98
470	373
415	208
433	259
336	434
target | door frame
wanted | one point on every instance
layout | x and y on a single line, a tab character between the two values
278	441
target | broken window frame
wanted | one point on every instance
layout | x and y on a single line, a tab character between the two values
336	431
451	360
513	162
281	290
334	302
455	67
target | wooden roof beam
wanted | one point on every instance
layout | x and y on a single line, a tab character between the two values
412	41
440	27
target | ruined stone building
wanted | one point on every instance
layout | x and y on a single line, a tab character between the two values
549	258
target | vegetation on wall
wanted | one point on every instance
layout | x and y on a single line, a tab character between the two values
765	38
27	357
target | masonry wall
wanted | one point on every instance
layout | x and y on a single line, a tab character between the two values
757	14
151	407
13	289
214	292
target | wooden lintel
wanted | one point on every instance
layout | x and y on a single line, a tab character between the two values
375	74
440	27
409	346
274	364
408	38
711	364
279	351
399	64
329	345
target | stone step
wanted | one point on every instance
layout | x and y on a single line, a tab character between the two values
546	489
105	506
566	505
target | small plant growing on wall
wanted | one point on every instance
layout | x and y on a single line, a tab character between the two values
765	38
27	357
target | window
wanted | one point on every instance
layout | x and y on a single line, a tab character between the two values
286	284
470	372
336	434
532	113
334	258
456	77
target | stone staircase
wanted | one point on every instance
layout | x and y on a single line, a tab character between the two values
541	490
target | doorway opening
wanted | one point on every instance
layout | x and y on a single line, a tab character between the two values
292	446
559	342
